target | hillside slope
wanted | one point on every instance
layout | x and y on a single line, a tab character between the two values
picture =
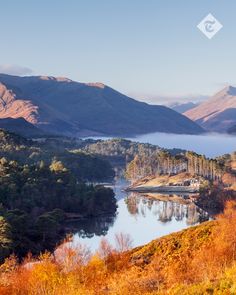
218	113
60	105
21	127
198	260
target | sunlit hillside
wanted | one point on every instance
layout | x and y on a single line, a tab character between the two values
199	260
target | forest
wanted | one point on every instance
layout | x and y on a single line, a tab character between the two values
85	166
35	200
163	162
118	151
40	187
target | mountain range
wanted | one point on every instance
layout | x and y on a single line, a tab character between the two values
183	107
65	107
217	113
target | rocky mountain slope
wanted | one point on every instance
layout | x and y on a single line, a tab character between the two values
62	106
218	113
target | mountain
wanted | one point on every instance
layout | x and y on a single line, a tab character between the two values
218	113
62	106
21	127
183	107
232	130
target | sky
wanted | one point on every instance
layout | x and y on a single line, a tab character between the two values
149	49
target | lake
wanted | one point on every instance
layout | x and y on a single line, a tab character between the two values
210	144
142	218
147	219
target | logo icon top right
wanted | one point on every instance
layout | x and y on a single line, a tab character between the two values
210	26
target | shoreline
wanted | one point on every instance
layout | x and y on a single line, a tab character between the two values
175	198
162	189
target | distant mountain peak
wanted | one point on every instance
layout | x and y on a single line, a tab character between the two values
218	113
231	90
228	90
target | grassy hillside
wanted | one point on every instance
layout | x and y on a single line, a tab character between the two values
198	260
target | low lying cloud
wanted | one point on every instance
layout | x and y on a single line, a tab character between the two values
169	100
172	100
15	70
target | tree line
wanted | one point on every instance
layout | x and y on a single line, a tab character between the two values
162	162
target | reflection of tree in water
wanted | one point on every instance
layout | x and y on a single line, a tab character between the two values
165	211
132	203
90	227
195	215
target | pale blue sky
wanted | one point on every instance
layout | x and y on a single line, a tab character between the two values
144	48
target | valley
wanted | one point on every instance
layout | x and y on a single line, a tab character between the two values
52	186
117	148
78	205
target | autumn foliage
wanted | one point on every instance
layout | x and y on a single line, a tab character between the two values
199	260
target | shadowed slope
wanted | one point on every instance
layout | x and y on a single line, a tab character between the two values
218	113
63	106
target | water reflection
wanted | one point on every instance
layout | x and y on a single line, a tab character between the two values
165	211
143	217
90	227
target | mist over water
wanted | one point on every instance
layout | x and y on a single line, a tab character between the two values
209	144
